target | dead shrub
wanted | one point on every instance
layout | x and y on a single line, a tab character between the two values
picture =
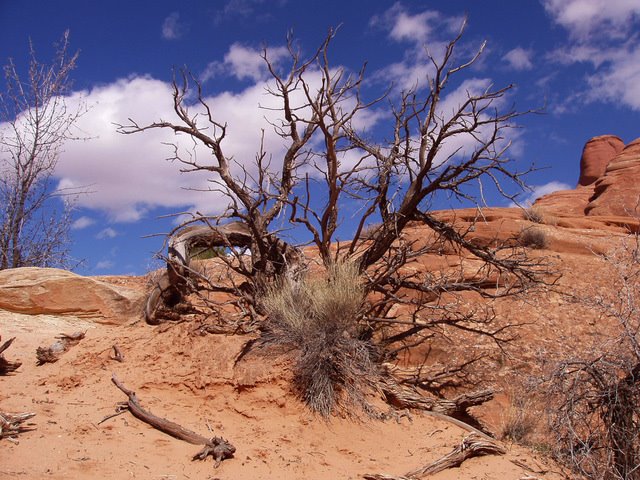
318	319
520	420
533	238
534	215
596	396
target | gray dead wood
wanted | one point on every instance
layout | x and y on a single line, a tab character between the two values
12	424
6	366
217	447
117	354
171	288
56	350
471	446
450	410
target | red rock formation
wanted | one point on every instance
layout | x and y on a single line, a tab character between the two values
596	155
50	291
617	192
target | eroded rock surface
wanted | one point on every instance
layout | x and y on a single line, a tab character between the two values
617	192
50	291
596	155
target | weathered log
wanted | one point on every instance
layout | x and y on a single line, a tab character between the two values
6	366
217	447
471	446
56	350
12	424
170	289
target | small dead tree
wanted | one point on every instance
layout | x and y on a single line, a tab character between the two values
597	419
35	217
394	182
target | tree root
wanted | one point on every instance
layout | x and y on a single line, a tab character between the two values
217	447
6	366
12	424
471	446
54	352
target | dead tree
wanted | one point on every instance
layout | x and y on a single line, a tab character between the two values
35	218
394	182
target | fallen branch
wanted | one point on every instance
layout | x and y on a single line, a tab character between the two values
217	447
6	366
12	424
54	352
471	446
452	410
117	354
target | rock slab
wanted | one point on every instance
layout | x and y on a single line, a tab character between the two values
51	291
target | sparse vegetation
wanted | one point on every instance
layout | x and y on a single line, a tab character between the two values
35	217
320	320
519	421
533	238
596	414
534	214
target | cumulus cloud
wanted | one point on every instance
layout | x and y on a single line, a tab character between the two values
82	222
244	63
129	175
519	59
172	27
584	18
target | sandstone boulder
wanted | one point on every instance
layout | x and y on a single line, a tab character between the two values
617	192
52	291
596	155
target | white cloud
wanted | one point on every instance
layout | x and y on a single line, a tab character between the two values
128	174
82	222
104	265
244	63
584	18
172	28
419	28
106	233
619	80
519	58
604	37
537	191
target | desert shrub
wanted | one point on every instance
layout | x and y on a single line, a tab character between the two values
533	238
520	421
596	396
534	215
318	319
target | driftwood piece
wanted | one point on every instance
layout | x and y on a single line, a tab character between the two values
6	366
117	354
217	447
471	446
12	424
54	352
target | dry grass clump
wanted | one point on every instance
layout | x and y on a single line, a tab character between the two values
534	215
520	421
533	238
318	319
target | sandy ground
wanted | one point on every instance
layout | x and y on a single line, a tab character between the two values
191	379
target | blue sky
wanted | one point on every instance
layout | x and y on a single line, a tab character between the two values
579	60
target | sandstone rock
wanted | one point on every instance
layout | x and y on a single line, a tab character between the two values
617	192
596	155
51	291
